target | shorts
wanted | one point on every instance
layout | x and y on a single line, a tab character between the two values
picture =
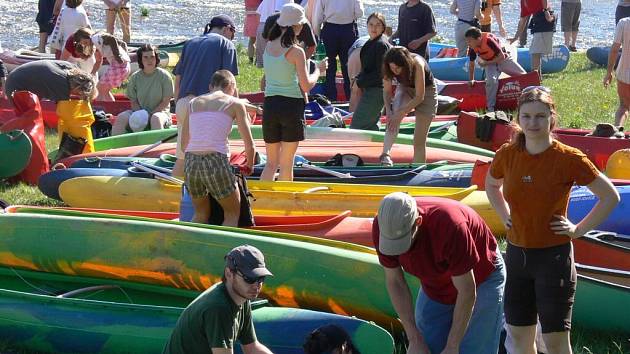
283	119
623	90
542	43
570	16
209	173
540	284
428	107
115	74
251	25
46	27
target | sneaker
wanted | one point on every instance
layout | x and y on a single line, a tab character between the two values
386	160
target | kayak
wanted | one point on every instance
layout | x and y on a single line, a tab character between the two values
269	198
100	315
599	55
583	200
314	150
191	257
15	152
456	69
603	249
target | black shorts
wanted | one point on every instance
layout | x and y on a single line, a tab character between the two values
46	27
540	284
283	119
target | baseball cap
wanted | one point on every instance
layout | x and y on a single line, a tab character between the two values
248	260
139	120
396	217
222	21
291	14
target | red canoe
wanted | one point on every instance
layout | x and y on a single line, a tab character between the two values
597	149
603	249
316	150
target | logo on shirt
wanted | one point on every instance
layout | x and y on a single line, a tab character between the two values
526	179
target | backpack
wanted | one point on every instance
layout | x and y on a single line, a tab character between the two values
101	127
484	127
345	160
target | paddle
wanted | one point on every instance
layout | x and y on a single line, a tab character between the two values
153	145
157	174
324	170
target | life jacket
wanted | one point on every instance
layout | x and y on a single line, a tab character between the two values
484	51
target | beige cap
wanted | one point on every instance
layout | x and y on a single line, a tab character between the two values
291	14
396	217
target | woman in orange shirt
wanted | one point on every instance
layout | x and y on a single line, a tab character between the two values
528	185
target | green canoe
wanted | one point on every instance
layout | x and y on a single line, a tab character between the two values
15	153
71	314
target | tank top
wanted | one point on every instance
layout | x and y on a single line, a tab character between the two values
281	76
428	75
209	130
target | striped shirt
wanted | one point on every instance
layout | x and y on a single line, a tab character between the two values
466	9
622	36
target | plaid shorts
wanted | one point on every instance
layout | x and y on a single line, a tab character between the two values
115	74
209	173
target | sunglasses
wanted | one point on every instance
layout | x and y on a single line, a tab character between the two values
232	29
249	280
541	88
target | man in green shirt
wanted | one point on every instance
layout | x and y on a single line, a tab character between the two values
222	314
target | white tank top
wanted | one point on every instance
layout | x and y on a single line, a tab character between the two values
209	130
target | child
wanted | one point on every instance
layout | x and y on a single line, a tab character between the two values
46	21
79	50
70	19
115	51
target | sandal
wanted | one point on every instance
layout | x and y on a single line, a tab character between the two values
386	160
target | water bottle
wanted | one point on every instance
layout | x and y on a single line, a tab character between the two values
320	54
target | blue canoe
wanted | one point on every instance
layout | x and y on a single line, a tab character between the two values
456	69
582	201
599	55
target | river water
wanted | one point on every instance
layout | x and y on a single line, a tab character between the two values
175	20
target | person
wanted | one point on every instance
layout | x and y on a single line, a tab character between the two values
622	10
70	19
468	13
451	250
416	26
122	10
570	21
354	68
329	339
415	90
486	49
201	57
109	47
283	109
370	79
54	80
252	19
542	23
46	22
3	79
222	315
622	73
207	161
522	38
335	22
541	275
488	8
79	50
264	10
150	90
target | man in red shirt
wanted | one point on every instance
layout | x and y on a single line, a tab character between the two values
451	250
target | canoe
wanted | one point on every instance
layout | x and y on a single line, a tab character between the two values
456	69
599	55
44	311
270	198
315	150
582	201
15	153
191	257
603	249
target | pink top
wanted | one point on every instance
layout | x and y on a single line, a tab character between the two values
252	4
209	131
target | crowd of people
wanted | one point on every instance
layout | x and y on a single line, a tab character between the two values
468	290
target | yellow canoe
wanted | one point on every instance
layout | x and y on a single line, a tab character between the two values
271	198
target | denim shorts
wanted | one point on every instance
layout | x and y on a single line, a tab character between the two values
434	319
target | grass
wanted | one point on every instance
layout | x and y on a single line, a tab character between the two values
581	101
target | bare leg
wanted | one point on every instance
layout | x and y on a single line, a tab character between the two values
231	208
522	339
43	39
624	104
251	49
574	38
536	60
124	16
110	19
558	342
104	93
120	126
202	210
273	160
567	39
158	120
287	155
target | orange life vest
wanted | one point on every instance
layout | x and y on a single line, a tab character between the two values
484	51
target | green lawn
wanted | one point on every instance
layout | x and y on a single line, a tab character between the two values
581	101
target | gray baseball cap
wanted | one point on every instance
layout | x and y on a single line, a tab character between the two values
248	260
397	214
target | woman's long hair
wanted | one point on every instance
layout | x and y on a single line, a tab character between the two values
401	57
288	37
83	33
115	44
533	95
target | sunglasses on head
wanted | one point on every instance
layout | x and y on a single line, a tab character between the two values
249	280
541	88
